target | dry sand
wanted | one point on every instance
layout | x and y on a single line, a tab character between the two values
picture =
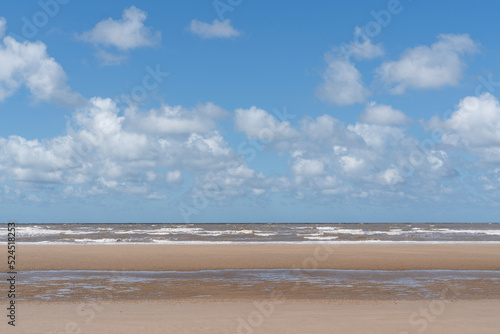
464	317
260	256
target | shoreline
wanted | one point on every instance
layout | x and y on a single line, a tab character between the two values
197	242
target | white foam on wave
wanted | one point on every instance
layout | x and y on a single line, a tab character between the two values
446	230
175	230
132	232
224	232
322	238
328	229
211	234
397	231
176	242
36	231
96	241
264	234
310	234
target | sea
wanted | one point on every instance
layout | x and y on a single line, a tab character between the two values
142	233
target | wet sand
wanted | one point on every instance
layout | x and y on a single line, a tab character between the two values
258	256
312	285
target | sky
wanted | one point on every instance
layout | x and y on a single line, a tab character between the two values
249	111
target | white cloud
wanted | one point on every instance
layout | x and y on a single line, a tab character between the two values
258	192
383	115
29	64
259	124
376	136
351	163
177	120
476	122
474	126
106	152
308	167
390	176
216	29
125	34
32	160
424	67
364	49
323	127
342	83
174	176
360	160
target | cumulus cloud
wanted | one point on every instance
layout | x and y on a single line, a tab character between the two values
152	153
376	136
362	47
259	124
425	67
474	126
342	83
32	160
29	64
105	151
360	160
383	115
217	29
177	120
351	163
125	34
390	176
308	167
476	122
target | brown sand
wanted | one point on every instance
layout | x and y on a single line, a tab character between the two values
464	317
275	256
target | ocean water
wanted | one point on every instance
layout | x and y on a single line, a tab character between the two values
255	233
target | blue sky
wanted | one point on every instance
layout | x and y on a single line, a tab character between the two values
249	111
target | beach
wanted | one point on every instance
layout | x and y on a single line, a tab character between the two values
464	317
258	288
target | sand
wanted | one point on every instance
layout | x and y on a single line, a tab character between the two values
474	317
260	256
